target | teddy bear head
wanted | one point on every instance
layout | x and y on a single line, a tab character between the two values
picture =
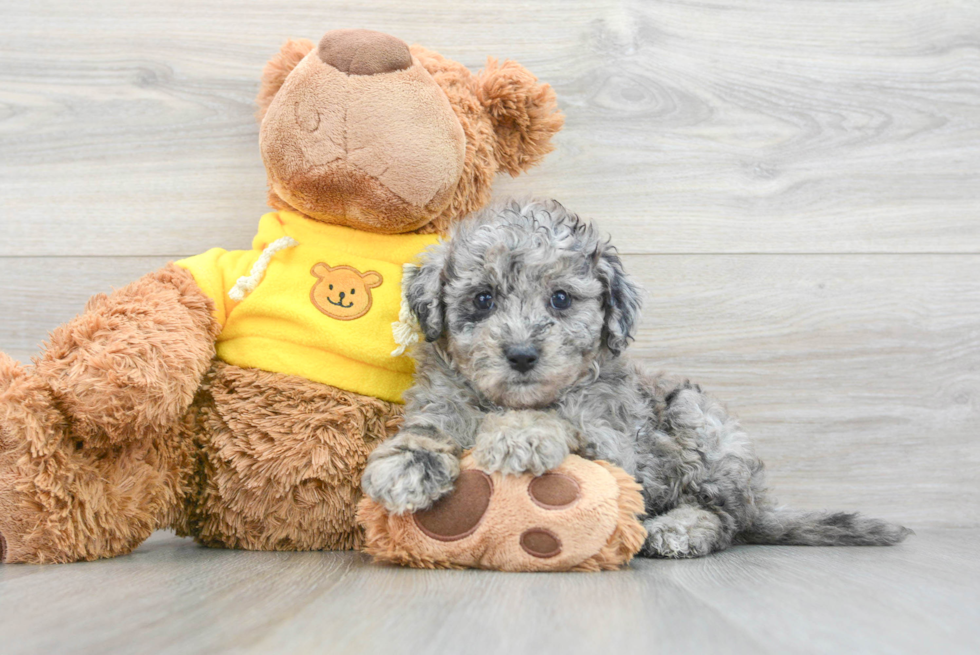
364	131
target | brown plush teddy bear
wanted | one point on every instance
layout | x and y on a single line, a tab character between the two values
235	396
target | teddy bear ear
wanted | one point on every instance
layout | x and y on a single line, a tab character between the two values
277	69
524	113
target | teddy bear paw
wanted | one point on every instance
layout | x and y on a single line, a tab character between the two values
580	516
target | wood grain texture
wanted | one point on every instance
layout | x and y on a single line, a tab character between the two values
859	376
754	126
174	597
37	294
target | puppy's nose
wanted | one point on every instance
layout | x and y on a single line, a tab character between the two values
342	294
364	52
522	358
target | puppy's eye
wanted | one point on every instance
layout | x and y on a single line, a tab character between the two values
483	301
561	300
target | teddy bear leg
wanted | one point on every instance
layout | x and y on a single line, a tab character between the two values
92	447
62	500
283	458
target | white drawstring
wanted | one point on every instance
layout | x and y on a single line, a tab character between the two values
247	283
406	329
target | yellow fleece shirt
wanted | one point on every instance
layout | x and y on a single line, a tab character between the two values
323	308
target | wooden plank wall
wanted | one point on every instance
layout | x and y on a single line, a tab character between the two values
797	185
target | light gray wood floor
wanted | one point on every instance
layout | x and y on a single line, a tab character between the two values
172	596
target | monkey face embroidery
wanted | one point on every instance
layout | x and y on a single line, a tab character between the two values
343	292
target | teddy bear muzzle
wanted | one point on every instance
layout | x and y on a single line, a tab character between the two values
360	134
364	52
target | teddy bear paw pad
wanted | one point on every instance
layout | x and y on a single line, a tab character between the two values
554	491
539	542
458	514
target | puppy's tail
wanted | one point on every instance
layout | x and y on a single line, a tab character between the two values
801	528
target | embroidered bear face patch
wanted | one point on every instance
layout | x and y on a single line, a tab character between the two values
343	292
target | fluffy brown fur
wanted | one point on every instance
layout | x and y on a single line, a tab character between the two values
276	70
286	479
629	535
495	121
89	465
127	424
523	114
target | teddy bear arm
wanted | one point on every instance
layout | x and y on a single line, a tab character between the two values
129	365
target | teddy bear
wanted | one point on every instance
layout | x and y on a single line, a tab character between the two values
234	396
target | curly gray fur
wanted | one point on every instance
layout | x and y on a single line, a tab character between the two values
703	485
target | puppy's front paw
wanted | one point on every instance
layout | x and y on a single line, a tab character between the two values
406	479
522	441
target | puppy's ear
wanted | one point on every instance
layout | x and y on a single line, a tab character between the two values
524	113
621	300
423	291
277	69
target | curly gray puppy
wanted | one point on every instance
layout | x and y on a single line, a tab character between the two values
526	312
